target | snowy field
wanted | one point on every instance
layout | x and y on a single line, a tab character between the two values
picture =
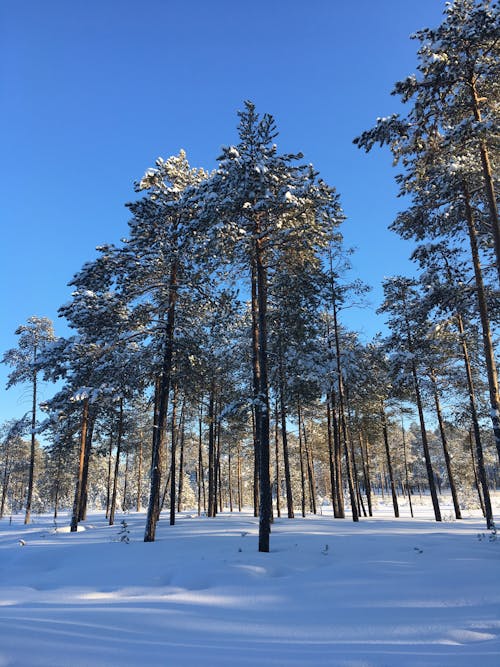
383	592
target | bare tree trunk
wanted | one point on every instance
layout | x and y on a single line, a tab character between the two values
485	324
86	463
159	426
181	459
310	470
338	507
139	475
230	480
200	475
389	461
117	464
407	475
425	444
476	481
284	440
108	477
173	452
78	489
29	498
125	483
212	456
276	457
302	472
240	481
366	472
444	443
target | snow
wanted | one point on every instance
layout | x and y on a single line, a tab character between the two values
383	592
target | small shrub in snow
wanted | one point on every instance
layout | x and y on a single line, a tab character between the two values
124	533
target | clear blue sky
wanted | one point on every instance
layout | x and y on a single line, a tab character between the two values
92	91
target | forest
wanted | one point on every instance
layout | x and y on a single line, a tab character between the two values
209	367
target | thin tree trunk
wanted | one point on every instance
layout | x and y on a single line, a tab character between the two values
125	483
139	475
173	452
407	476
476	481
338	507
425	444
159	426
331	465
212	469
230	480
256	421
31	478
366	472
444	442
310	470
276	457
117	464
302	472
485	323
181	459
86	464
284	440
108	476
389	461
240	481
79	479
200	475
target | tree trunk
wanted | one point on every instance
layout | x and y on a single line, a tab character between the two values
389	461
86	463
229	480
476	481
159	426
444	442
79	479
31	478
173	452
139	475
212	458
284	440
181	459
108	476
338	507
262	415
407	475
310	470
276	457
302	471
125	483
485	323
425	444
200	475
240	482
117	464
365	458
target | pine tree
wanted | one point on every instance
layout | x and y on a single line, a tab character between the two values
256	202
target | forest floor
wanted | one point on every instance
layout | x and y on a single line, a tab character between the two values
384	592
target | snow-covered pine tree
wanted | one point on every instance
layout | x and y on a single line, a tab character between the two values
258	201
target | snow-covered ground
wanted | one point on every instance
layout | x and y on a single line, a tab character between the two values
383	592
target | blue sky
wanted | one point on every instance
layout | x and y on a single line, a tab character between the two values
91	92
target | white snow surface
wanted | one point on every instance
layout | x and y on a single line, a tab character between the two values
384	592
